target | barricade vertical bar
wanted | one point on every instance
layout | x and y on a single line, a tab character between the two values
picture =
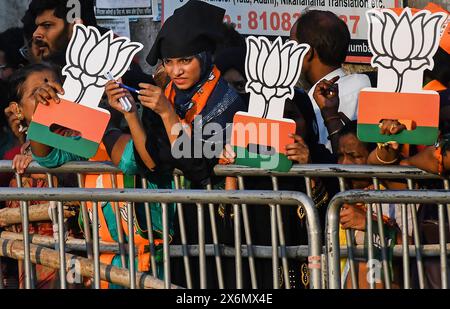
96	245
273	229
406	272
119	224
248	237
447	187
386	269
349	242
442	246
237	246
370	241
165	219
417	240
151	240
26	237
187	267
62	246
201	245
56	227
131	250
86	220
215	241
280	226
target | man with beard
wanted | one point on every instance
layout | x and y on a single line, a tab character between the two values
48	26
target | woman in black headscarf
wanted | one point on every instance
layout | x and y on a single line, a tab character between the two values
169	137
171	134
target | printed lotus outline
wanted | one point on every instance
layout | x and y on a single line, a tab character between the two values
392	50
269	70
91	55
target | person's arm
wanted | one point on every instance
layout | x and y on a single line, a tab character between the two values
138	135
326	94
153	97
44	94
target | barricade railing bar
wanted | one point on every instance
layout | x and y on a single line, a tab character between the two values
197	197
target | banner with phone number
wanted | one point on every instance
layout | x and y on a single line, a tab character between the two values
276	17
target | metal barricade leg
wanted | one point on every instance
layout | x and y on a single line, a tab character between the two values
183	237
62	246
119	225
131	249
215	242
86	221
371	255
406	268
237	246
151	239
165	218
95	239
201	245
26	237
248	237
274	236
349	241
442	246
280	226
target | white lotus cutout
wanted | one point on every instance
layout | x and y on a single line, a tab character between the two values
404	42
89	57
272	71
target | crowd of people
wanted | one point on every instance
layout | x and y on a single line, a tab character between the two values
201	72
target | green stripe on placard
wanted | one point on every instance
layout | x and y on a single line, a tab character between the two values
418	136
80	146
277	162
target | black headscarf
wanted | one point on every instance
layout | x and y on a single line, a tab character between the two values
193	28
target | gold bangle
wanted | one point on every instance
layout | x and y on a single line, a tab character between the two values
382	161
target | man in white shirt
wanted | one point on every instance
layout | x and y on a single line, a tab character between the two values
329	38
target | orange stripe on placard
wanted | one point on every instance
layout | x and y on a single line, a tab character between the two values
423	109
73	116
358	59
261	131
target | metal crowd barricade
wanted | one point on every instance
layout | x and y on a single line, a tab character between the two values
343	173
94	247
249	249
417	250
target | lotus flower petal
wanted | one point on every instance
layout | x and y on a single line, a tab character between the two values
388	31
401	65
97	58
88	80
252	58
114	51
375	33
284	69
402	38
293	70
124	59
417	64
101	81
418	35
264	53
281	92
384	61
255	86
268	93
431	30
91	42
272	65
76	43
74	72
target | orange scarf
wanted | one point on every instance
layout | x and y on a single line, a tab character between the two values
199	99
